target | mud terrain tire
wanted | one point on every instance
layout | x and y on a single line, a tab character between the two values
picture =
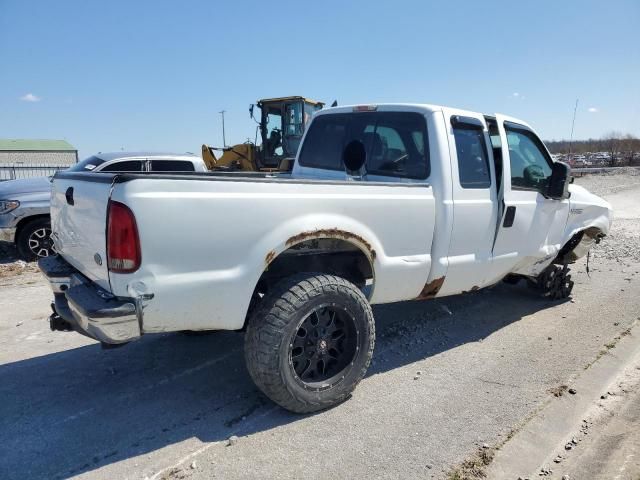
310	342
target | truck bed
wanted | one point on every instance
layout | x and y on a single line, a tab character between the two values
206	238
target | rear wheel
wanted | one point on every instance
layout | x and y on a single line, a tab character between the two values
34	240
310	342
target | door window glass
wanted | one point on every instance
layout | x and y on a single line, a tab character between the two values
171	166
473	161
273	133
124	166
530	167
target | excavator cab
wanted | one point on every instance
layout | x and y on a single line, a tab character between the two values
282	123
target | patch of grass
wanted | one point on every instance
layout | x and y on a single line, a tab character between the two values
558	391
473	468
17	268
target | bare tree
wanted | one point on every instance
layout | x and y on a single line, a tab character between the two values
629	147
613	143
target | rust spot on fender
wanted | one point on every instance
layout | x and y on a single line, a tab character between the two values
332	233
475	288
431	289
269	258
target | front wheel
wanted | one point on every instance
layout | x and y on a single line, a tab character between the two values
555	282
310	342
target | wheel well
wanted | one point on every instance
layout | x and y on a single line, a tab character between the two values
582	240
23	222
319	255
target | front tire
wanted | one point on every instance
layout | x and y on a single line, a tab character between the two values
34	240
310	342
555	282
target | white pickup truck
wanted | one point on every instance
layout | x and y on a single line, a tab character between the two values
385	203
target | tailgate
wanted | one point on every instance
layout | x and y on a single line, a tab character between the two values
79	221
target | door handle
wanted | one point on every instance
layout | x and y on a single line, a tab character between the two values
509	216
69	196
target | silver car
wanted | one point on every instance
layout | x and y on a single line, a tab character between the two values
24	203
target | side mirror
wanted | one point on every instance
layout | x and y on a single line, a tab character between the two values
354	157
533	174
559	181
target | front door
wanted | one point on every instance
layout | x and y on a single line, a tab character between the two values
530	232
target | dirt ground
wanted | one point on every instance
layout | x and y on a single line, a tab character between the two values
452	379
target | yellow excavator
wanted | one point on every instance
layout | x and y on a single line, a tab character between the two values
282	122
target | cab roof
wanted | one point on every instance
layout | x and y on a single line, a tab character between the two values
288	99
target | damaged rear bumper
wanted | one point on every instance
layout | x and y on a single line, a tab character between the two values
81	305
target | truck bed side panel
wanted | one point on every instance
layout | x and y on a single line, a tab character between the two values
205	243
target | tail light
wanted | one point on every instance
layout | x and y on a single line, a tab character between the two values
123	243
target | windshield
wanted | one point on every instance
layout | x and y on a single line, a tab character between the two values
87	165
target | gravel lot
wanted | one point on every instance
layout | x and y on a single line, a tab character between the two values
449	376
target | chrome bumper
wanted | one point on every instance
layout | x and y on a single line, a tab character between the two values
87	308
7	234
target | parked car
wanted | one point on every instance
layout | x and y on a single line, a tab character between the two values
24	203
384	204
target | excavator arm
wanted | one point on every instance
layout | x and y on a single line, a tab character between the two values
209	157
238	157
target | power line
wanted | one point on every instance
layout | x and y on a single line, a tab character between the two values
224	140
573	124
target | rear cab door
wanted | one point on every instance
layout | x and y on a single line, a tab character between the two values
531	228
474	198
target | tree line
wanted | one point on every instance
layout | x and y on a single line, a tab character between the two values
623	149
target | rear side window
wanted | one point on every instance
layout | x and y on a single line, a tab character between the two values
171	166
87	165
473	161
395	142
124	166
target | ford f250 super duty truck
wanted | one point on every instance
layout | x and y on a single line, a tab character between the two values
385	203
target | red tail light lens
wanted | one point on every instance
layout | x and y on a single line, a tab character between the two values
123	243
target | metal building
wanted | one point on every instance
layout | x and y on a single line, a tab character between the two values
34	158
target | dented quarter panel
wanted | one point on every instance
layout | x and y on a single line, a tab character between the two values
203	259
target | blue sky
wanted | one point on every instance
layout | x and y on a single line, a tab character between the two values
154	74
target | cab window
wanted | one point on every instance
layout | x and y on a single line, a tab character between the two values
530	165
171	166
473	160
396	143
124	166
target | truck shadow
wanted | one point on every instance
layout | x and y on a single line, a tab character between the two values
77	410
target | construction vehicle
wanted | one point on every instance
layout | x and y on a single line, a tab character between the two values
281	125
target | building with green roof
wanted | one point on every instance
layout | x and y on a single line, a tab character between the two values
26	157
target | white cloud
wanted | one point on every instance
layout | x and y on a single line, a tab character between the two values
515	94
592	109
30	97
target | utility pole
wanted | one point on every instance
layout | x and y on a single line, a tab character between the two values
224	140
573	123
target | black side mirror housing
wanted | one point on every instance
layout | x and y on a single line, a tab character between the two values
354	157
559	181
